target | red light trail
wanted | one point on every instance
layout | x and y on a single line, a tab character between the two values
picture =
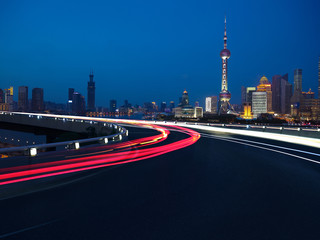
115	154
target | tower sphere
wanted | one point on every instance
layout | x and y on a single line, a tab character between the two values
225	53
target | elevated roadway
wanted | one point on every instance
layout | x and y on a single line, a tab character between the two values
222	185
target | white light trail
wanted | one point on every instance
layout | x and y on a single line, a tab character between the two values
264	148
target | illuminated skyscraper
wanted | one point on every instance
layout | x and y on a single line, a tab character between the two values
8	98
225	95
265	86
259	103
184	100
91	94
211	104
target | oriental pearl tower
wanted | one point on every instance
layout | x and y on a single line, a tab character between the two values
225	95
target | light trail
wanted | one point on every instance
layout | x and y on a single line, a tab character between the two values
310	142
122	153
260	143
234	140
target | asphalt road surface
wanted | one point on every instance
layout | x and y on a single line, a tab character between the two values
221	187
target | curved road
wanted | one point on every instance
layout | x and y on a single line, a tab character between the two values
220	187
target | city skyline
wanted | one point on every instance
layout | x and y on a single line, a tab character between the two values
163	64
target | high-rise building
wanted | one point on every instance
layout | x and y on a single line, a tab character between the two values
23	99
91	93
243	95
78	104
297	93
319	79
308	108
8	98
225	95
281	94
297	80
163	106
184	99
249	92
265	86
37	100
113	105
70	93
70	97
171	106
212	104
259	103
286	94
126	104
276	93
1	96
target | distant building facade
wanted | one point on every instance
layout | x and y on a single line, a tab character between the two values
249	91
212	104
259	103
78	104
8	98
23	99
185	110
281	94
247	112
171	106
1	96
91	93
297	93
319	79
265	86
309	106
113	105
69	102
37	100
163	106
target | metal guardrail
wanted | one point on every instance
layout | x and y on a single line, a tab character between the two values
32	150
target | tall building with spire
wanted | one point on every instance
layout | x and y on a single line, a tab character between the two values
91	93
225	95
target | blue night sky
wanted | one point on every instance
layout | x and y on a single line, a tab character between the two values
153	50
